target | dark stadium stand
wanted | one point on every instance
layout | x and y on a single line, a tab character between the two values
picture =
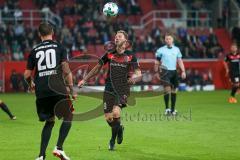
84	32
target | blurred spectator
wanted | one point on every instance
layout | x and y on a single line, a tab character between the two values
16	50
14	81
5	10
197	79
22	83
135	8
45	10
147	77
18	14
236	35
19	30
86	26
4	48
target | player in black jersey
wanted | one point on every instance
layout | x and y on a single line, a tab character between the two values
120	63
232	66
4	107
49	59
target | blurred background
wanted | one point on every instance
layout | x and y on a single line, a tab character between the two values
204	31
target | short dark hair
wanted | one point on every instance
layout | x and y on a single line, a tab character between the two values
124	33
45	29
169	34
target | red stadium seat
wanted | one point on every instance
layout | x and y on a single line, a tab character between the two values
149	55
91	49
100	50
140	55
76	53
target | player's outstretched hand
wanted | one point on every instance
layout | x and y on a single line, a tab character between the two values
81	83
183	75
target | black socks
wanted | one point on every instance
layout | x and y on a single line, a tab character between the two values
173	101
115	125
64	130
234	90
5	109
46	134
166	100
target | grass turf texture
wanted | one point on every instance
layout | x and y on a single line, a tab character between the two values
211	132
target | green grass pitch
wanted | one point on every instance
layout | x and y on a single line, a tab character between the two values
208	128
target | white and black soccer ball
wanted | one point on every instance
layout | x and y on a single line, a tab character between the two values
110	9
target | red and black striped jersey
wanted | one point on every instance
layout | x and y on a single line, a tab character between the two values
119	65
233	61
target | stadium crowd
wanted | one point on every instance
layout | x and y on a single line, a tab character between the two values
91	28
84	26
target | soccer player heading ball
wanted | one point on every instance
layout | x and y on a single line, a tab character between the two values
120	62
168	56
232	66
48	59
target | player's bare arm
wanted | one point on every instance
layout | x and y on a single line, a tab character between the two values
28	78
157	68
68	78
91	74
136	77
226	68
181	65
156	65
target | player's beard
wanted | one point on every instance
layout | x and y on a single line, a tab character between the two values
120	47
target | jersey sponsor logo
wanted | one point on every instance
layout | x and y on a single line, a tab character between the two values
118	65
122	58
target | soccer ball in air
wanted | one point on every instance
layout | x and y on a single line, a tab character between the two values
110	9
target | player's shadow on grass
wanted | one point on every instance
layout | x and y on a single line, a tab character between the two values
62	109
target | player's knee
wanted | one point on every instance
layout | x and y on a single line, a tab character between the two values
108	117
52	119
109	120
116	113
49	123
68	118
167	89
115	122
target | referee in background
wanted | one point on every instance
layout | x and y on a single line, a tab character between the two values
167	58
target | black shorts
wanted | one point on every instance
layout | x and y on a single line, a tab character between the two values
111	99
235	78
49	107
169	77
